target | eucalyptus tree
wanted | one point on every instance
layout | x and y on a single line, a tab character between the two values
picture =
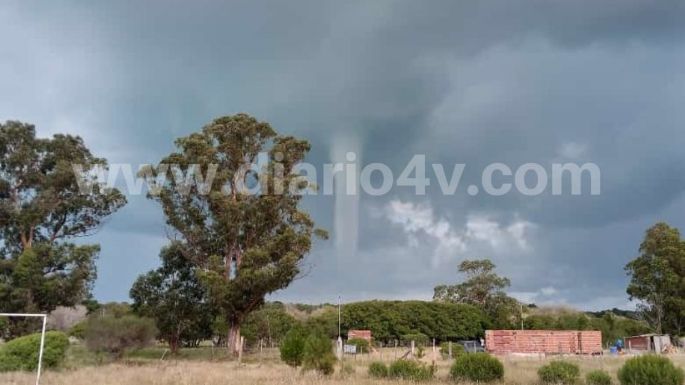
241	220
43	207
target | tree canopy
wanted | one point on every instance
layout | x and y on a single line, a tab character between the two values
657	279
483	288
174	297
243	225
41	208
393	320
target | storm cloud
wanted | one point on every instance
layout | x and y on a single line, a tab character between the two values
459	81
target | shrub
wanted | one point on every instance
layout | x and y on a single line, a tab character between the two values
78	330
361	344
477	367
292	347
378	370
318	354
457	349
419	339
598	377
559	372
115	335
410	370
22	353
650	370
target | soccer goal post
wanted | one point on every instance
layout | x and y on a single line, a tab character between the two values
42	335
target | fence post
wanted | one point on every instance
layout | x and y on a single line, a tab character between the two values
261	353
434	355
240	349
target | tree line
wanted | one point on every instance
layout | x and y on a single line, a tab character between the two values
229	250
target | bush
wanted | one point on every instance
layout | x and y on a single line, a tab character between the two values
457	350
378	370
115	335
419	339
22	353
559	372
410	370
318	354
477	367
292	347
650	370
598	377
78	330
361	344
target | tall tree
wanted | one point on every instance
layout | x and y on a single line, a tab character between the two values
175	298
247	243
41	209
657	279
483	288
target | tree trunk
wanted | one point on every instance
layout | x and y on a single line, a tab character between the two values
233	342
173	345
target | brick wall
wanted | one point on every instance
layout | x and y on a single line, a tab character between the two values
361	334
543	341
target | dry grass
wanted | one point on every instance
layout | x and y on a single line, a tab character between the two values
270	372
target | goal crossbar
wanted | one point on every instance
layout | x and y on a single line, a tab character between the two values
42	335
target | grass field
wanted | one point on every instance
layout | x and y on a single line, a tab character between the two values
210	367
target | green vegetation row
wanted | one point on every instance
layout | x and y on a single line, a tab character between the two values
482	368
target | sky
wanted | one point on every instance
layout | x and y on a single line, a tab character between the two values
462	82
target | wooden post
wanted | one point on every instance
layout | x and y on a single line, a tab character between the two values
450	350
413	345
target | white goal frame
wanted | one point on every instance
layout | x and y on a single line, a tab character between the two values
42	336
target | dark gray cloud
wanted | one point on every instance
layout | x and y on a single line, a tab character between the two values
462	82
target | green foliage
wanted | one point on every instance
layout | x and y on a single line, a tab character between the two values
115	335
43	204
615	326
22	353
598	377
410	371
378	369
656	277
78	330
248	244
173	296
114	309
650	370
611	325
484	289
457	349
420	352
25	285
420	339
559	373
292	346
362	345
270	323
477	367
318	354
391	320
